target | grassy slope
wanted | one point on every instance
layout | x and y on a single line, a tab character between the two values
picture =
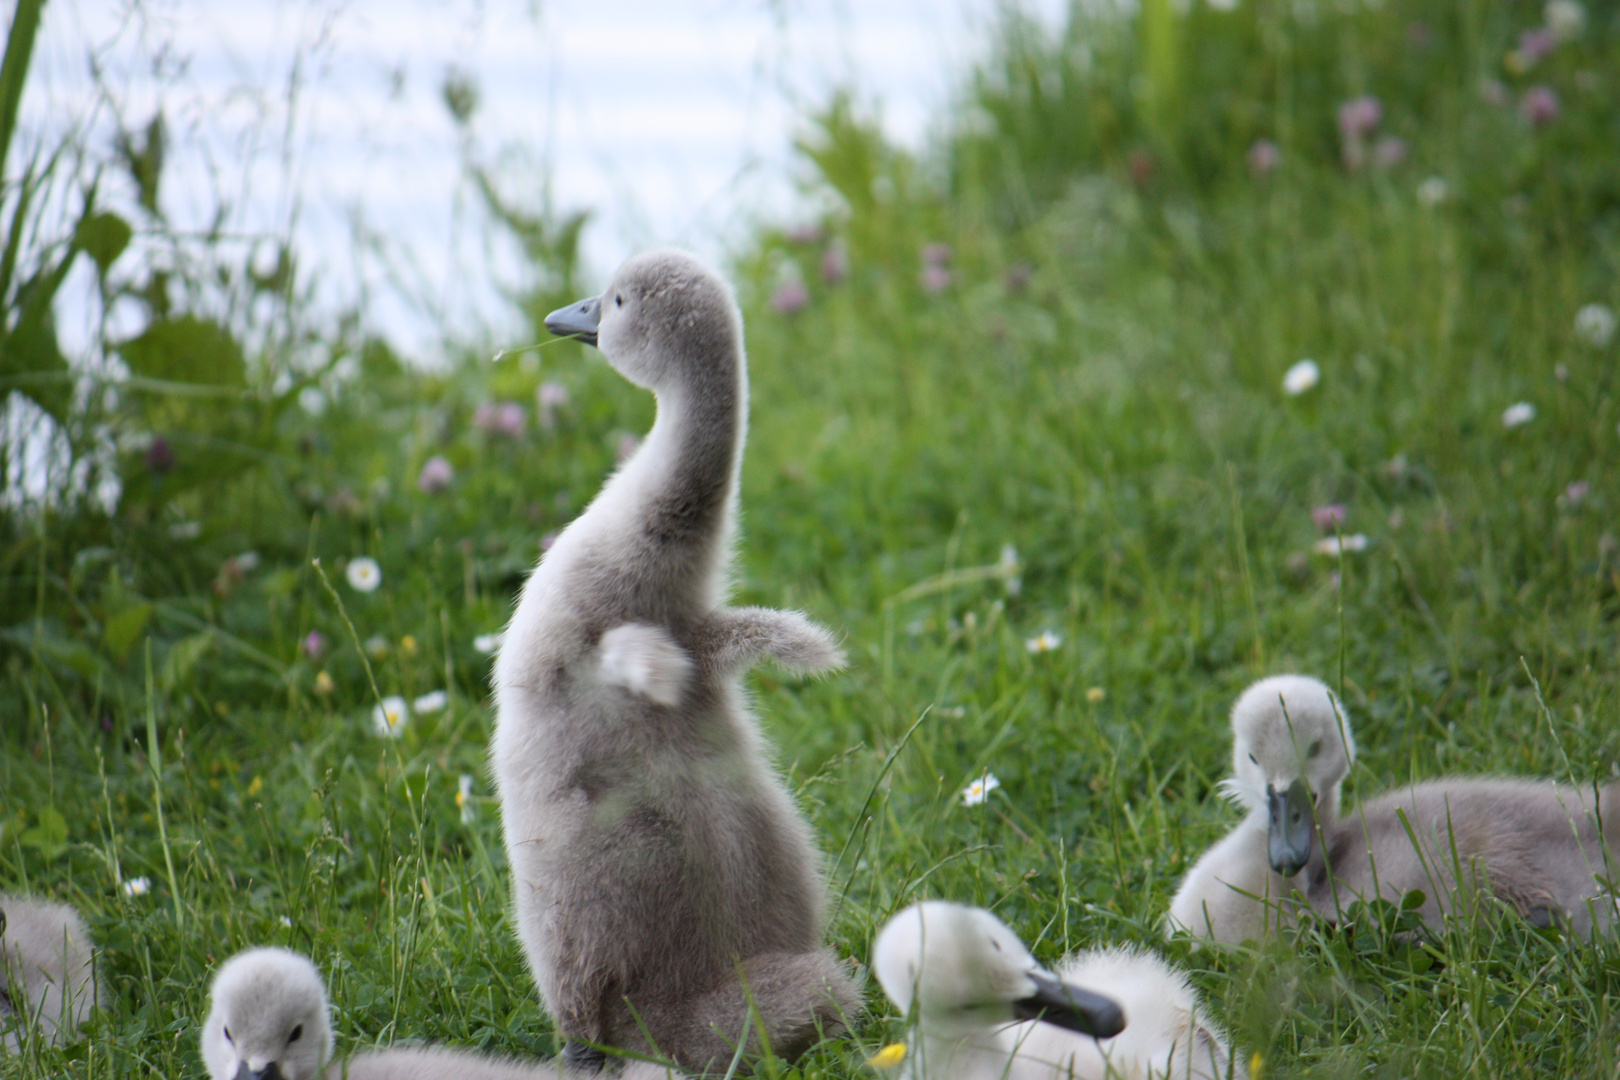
1119	419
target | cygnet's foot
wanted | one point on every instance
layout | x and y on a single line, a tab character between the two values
737	638
645	660
582	1058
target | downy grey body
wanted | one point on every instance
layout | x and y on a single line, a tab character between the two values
47	970
1537	846
662	877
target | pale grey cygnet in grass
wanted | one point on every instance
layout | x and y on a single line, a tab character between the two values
48	979
269	1020
1546	850
665	885
984	1009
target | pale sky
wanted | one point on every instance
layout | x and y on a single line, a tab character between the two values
672	120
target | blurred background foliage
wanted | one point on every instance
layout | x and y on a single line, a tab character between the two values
1029	380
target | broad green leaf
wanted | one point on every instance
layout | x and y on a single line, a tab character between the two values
188	350
49	837
183	659
103	237
125	628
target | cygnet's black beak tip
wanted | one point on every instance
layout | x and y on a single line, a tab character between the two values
1290	833
578	321
1071	1007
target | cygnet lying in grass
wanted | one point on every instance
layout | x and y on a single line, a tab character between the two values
667	892
985	1010
1535	845
269	1020
47	971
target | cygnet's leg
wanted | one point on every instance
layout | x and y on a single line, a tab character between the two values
796	998
581	1057
734	639
645	660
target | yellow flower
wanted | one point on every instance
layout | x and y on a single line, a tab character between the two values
324	684
1096	694
256	786
407	645
888	1057
1255	1064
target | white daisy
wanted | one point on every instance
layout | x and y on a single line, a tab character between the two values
1338	546
1433	191
1595	325
389	718
137	886
1044	642
430	703
488	643
1301	377
464	798
364	574
978	791
1518	415
1565	18
1009	566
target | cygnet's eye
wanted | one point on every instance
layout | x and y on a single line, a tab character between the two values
1316	748
297	1033
618	300
996	945
228	1037
1254	759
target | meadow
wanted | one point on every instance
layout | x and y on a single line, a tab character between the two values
1029	430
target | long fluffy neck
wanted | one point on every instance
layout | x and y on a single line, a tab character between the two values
677	496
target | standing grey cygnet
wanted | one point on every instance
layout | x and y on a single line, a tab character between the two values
668	894
985	1010
268	1020
47	970
1537	846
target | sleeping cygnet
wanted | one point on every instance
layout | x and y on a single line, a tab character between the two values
985	1010
47	971
1545	850
666	890
269	1020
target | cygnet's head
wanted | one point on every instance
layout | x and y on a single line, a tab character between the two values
1291	750
269	1019
665	321
966	971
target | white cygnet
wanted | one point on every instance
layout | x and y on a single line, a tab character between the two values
47	971
667	891
1545	850
269	1020
984	1009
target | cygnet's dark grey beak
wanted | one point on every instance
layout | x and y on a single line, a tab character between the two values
271	1071
578	321
1293	820
1070	1007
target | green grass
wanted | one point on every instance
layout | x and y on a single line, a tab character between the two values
1118	417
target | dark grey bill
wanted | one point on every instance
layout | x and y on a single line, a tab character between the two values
1071	1007
271	1071
577	320
1293	820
